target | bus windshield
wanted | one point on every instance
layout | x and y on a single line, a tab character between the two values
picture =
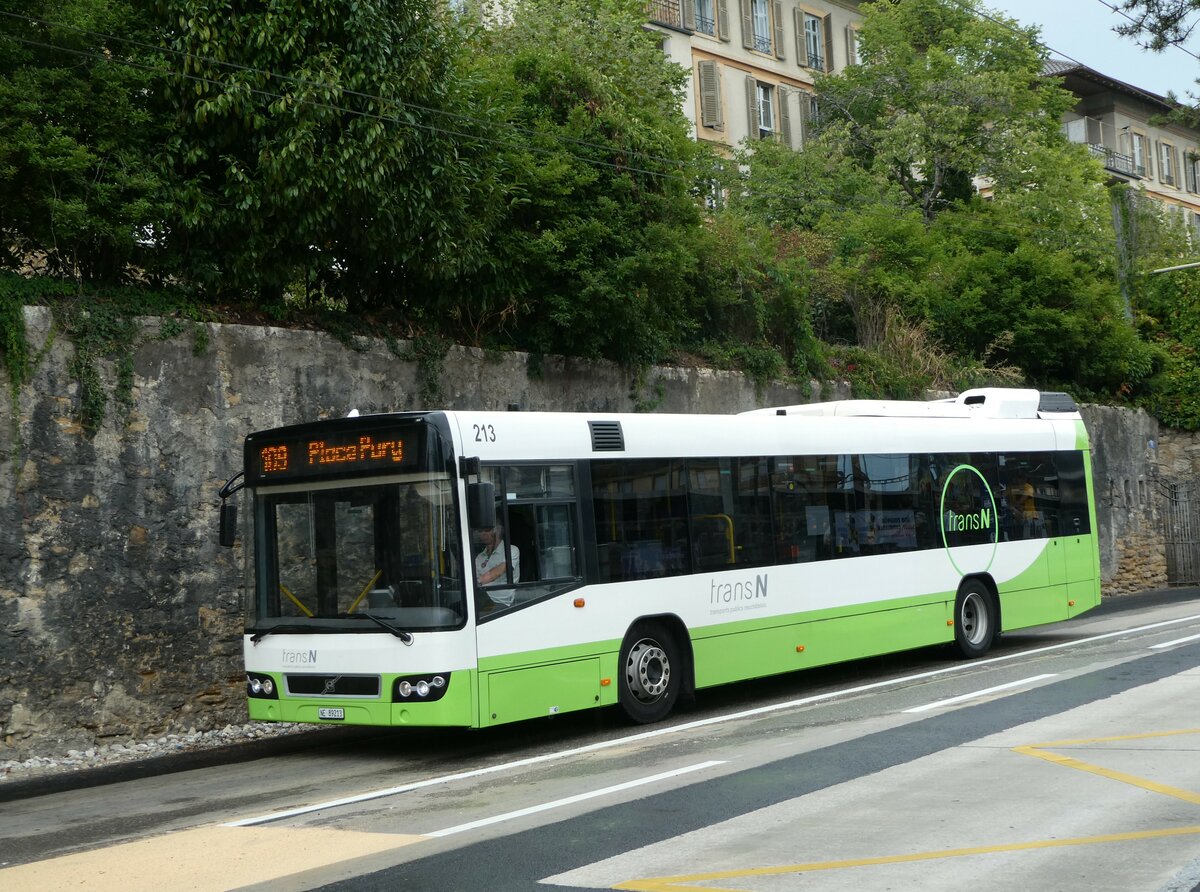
331	554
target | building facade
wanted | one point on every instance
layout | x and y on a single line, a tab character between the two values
754	62
1119	125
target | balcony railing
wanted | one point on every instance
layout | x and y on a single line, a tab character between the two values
1115	161
665	12
1101	138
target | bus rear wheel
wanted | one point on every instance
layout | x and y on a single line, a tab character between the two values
651	673
975	619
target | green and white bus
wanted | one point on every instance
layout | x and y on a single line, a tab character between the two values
643	557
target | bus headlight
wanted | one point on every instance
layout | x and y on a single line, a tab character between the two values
260	686
420	688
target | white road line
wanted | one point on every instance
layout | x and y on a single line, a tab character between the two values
949	701
690	726
582	797
1176	641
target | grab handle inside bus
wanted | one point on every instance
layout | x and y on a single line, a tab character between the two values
481	505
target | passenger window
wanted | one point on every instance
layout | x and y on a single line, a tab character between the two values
641	519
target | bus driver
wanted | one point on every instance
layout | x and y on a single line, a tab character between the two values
490	563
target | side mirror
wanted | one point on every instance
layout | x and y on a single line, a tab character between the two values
481	505
228	532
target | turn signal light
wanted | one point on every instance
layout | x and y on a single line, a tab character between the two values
579	602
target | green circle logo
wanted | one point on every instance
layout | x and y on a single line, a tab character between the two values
965	518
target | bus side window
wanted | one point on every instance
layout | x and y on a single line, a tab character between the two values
1074	519
537	513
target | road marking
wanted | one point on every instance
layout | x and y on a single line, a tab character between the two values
1176	641
676	883
691	726
203	859
1038	750
571	800
949	701
683	883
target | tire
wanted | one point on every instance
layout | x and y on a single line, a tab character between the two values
651	673
975	620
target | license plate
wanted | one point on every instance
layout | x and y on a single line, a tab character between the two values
331	712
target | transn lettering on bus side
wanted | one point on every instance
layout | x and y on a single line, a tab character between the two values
959	523
365	449
728	592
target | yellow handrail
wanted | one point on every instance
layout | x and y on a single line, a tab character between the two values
283	588
363	593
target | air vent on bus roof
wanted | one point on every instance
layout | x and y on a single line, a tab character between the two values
1052	401
607	436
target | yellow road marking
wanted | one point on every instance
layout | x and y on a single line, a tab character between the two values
204	859
673	884
1038	750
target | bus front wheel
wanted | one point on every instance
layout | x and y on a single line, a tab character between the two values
975	619
651	673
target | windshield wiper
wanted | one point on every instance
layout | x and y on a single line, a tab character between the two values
404	636
282	627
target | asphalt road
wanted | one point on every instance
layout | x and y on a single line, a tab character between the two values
1069	759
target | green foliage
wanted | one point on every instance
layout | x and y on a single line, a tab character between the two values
1169	317
921	112
80	190
428	350
597	253
319	150
102	325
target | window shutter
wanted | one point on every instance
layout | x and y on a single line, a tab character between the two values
785	116
752	107
1189	159
777	21
1175	164
710	94
723	19
801	46
747	24
827	33
851	46
689	14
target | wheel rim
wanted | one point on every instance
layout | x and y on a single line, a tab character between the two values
647	671
975	617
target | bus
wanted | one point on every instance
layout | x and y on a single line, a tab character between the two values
639	558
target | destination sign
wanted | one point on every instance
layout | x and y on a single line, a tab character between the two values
330	453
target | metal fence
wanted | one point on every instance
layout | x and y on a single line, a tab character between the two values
1182	532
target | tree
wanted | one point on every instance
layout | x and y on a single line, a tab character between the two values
80	189
915	259
321	149
943	95
597	253
1160	23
